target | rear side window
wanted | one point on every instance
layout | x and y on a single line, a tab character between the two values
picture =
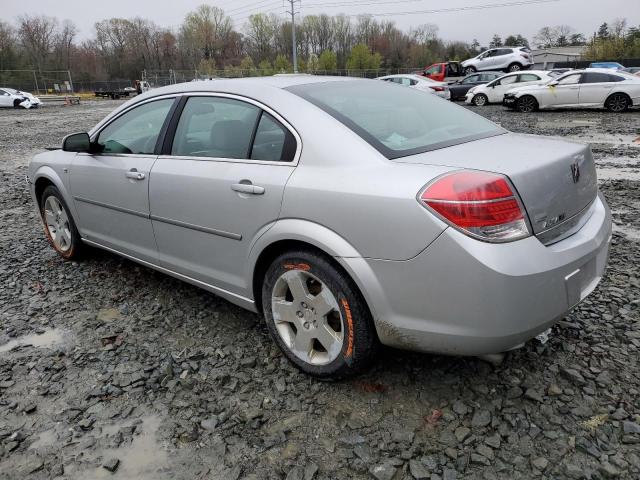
393	119
595	77
507	80
273	142
215	127
137	131
616	78
504	51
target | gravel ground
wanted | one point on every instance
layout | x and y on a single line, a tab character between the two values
109	369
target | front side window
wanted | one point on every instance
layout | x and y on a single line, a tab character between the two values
507	80
471	79
570	79
393	120
215	127
528	77
137	131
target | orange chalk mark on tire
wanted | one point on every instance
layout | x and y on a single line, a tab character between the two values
347	312
297	266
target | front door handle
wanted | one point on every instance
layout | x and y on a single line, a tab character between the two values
247	188
134	174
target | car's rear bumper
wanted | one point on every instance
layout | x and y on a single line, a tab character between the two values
466	297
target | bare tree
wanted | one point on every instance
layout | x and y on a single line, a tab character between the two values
37	35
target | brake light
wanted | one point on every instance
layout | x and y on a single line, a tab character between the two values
480	204
437	89
524	55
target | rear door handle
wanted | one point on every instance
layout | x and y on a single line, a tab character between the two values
247	188
134	174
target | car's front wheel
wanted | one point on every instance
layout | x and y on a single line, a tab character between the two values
317	316
617	103
59	226
480	100
527	104
469	70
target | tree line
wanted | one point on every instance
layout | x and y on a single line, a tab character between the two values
207	41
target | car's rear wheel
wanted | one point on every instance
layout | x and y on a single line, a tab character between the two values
59	226
469	70
617	103
527	104
480	100
514	67
317	316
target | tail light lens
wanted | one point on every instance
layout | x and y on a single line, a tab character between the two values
524	55
438	89
483	205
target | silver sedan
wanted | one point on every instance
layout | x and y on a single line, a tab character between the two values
339	210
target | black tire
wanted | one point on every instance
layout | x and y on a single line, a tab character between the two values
527	104
618	103
76	247
359	339
480	100
514	67
469	70
16	103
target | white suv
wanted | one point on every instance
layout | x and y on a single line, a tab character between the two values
509	59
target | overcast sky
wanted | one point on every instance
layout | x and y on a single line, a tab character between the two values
583	15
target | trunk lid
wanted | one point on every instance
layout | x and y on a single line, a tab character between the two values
556	179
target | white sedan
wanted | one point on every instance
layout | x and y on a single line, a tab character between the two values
493	92
12	98
418	82
591	88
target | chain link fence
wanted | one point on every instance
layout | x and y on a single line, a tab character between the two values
39	82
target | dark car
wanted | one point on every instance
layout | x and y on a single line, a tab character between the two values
460	88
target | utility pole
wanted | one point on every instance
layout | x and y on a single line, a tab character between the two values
293	34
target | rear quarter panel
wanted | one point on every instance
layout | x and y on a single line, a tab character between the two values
348	187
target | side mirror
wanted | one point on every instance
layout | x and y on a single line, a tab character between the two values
553	84
77	142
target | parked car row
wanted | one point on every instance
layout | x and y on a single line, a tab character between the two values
12	98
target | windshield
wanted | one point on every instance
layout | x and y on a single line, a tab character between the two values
395	120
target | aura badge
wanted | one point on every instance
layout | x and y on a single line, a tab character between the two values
575	171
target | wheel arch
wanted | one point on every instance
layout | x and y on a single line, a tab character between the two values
46	176
619	92
291	234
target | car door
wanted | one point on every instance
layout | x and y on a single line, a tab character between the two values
110	187
460	89
496	92
219	182
6	100
487	61
594	88
565	92
501	58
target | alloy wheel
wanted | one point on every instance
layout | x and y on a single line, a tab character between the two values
514	68
527	104
57	223
618	103
307	317
479	100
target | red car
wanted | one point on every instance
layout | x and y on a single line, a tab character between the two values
440	71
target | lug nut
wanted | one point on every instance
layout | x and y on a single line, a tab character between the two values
299	314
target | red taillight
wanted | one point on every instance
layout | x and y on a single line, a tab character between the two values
438	89
481	204
525	55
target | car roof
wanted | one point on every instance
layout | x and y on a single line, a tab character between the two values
281	81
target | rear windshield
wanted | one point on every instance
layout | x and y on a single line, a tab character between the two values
397	120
